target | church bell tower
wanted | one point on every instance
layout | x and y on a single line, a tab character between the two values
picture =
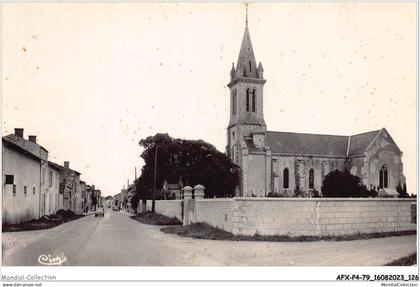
246	98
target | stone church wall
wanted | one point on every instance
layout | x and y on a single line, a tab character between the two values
289	163
256	175
381	152
359	166
299	170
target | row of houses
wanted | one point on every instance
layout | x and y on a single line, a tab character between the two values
34	187
122	200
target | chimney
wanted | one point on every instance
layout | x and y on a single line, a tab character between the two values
32	139
67	164
19	132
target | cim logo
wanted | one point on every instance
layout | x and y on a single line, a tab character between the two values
50	260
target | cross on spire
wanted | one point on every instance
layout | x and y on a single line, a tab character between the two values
246	19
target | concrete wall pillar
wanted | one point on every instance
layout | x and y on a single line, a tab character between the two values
199	191
188	205
142	206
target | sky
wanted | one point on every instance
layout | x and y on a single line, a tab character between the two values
92	79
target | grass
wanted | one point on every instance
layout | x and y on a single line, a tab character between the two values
409	260
155	219
45	222
206	231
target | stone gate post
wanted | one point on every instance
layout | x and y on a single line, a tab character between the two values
199	191
188	205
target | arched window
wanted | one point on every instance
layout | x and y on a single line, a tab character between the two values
249	62
286	178
383	177
311	178
253	101
247	100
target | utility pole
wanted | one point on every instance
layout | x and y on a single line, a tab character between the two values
154	181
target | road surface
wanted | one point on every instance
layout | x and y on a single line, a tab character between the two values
117	240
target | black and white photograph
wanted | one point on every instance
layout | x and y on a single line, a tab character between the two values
252	134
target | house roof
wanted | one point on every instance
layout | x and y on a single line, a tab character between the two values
317	144
55	166
20	149
61	168
24	145
174	186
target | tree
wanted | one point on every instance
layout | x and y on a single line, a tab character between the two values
194	161
109	197
135	198
124	202
344	184
402	191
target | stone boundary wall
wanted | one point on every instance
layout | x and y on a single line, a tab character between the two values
321	216
296	216
169	208
217	212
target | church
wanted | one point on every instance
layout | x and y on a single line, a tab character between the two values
284	162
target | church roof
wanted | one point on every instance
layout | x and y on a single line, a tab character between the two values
307	144
360	142
316	144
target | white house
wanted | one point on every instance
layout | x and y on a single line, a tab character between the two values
24	166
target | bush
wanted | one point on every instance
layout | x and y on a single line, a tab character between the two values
410	260
273	194
65	214
155	219
315	193
402	191
344	184
298	192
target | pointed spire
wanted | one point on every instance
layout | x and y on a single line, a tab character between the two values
232	71
247	66
260	71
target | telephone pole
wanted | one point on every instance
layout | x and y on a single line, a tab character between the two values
154	181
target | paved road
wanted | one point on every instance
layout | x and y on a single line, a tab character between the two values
118	240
